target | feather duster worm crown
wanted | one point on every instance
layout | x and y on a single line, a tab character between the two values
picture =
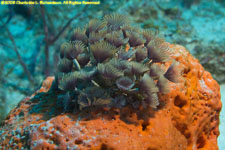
109	62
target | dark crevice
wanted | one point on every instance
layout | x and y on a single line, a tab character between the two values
200	142
179	102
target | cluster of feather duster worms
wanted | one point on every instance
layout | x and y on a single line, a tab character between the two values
109	62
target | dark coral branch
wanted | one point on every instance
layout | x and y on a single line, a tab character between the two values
46	65
53	40
25	69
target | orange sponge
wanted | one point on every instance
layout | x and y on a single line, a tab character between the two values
188	119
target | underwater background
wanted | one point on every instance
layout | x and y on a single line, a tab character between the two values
31	36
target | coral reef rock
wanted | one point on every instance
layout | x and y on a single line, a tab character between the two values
187	118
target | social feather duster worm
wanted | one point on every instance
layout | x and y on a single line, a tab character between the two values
112	63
